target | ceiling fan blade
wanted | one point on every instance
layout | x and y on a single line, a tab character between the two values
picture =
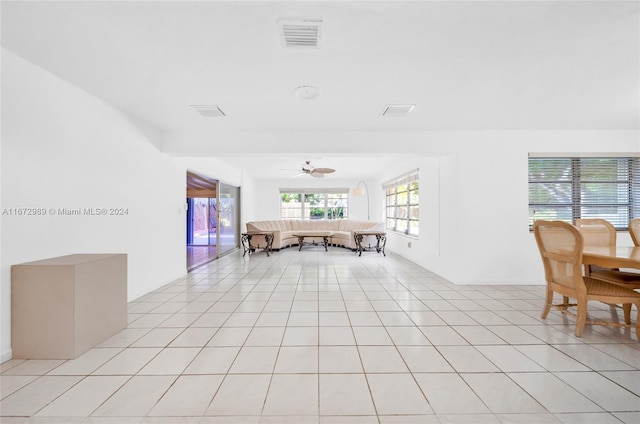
307	168
300	174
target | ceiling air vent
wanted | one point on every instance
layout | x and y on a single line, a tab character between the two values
300	34
209	111
397	110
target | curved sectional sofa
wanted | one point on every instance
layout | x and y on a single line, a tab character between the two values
284	230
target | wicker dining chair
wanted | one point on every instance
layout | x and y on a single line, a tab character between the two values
596	232
600	232
634	231
560	245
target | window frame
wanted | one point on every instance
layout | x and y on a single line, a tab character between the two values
411	182
327	194
577	205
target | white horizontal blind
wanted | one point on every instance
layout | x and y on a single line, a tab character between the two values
314	190
568	188
407	178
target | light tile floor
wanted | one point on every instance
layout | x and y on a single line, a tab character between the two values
329	337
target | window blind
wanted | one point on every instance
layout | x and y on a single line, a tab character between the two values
568	188
314	190
407	178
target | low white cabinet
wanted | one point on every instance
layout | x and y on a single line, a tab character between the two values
62	307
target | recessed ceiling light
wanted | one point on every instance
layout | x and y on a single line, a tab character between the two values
209	111
397	110
306	92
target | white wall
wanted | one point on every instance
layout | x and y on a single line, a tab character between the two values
475	186
64	148
249	206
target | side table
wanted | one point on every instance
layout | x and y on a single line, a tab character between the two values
381	238
246	241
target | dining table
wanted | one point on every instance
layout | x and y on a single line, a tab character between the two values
612	257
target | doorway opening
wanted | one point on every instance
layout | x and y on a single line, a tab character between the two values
212	219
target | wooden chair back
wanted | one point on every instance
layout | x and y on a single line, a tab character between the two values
560	245
634	230
596	232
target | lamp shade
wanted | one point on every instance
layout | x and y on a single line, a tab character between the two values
358	191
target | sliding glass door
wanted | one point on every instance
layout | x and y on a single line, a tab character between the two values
228	208
213	224
202	223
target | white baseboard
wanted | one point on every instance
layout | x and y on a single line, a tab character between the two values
6	355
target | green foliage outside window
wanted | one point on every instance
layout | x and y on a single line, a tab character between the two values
318	205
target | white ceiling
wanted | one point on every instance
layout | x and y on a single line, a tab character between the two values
467	65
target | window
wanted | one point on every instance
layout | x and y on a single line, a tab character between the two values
568	188
402	204
313	204
290	205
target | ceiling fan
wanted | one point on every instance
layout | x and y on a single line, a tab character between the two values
307	169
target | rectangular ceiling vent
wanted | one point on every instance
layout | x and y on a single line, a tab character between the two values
209	111
300	34
397	110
